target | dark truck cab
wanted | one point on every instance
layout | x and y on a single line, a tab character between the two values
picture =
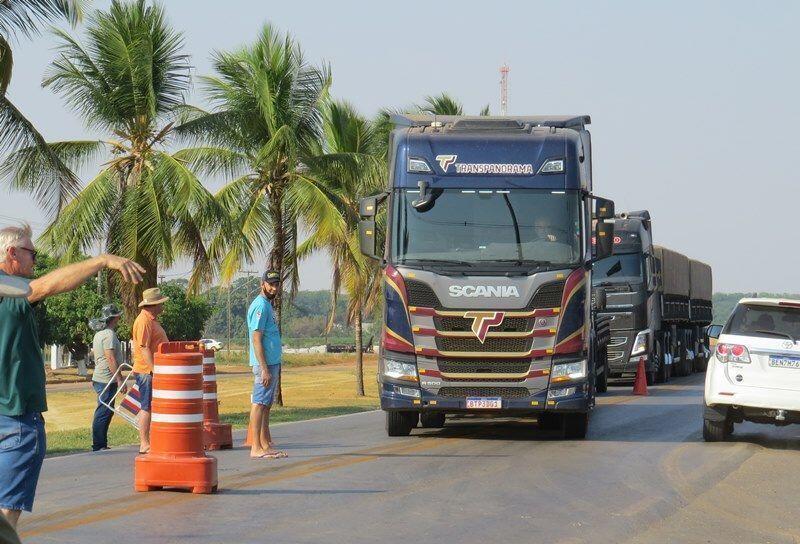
487	270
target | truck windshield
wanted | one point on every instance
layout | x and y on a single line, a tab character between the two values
624	265
488	225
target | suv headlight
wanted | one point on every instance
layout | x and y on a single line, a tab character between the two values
568	371
399	370
640	343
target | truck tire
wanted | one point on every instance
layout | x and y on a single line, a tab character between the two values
575	426
715	431
662	371
601	383
400	423
432	420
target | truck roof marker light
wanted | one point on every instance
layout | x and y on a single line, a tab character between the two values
560	276
419	166
558	192
485	192
502	192
466	192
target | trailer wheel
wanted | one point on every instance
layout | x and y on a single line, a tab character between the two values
575	426
715	431
401	423
432	420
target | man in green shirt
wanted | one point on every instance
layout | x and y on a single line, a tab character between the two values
22	377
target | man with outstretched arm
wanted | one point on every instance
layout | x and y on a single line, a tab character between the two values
22	377
265	359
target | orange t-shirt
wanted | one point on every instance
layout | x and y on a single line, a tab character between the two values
149	333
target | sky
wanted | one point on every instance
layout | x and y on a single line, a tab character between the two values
694	105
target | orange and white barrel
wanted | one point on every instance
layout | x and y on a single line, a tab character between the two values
216	435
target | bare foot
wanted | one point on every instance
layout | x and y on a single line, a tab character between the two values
257	454
274	454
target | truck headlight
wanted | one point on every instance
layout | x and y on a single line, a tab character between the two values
640	343
568	371
399	370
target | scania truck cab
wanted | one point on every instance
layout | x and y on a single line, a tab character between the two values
487	257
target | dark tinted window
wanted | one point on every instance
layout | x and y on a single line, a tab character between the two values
616	266
764	321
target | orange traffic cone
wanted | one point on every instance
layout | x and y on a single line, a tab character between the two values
176	457
216	435
640	384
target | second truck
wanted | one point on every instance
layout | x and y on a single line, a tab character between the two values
659	302
487	260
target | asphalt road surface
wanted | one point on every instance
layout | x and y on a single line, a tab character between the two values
643	475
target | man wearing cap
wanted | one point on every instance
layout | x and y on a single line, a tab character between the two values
265	359
146	335
22	377
107	356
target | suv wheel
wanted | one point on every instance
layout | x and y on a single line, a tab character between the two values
715	431
432	420
400	423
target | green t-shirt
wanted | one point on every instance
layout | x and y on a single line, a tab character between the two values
22	377
103	340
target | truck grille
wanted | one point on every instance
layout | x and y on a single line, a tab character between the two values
463	324
487	366
505	392
498	345
617	341
615	355
421	294
547	295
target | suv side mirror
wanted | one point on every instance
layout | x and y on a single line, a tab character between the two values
714	331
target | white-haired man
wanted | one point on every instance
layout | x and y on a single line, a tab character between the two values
22	377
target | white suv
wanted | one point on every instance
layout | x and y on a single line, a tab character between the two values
754	373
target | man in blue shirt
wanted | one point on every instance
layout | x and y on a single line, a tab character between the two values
265	359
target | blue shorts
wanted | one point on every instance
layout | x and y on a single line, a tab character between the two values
22	449
265	395
145	383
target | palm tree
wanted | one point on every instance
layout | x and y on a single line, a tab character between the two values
263	129
126	80
352	168
23	19
442	104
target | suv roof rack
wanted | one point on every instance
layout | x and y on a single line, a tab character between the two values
492	122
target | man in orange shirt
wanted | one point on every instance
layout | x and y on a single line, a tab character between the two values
146	335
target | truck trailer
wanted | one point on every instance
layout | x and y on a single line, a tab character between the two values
659	302
487	261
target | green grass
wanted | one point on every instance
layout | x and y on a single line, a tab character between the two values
75	440
224	358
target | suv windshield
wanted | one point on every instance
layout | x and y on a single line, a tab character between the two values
617	266
764	321
485	226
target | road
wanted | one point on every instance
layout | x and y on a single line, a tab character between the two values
642	476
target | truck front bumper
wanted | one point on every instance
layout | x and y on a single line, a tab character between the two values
578	402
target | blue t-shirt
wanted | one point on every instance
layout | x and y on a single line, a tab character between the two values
261	317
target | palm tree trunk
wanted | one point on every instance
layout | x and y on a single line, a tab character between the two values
276	257
359	355
131	294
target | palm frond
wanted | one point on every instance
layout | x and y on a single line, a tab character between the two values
442	104
6	65
23	18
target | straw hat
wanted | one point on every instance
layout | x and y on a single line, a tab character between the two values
151	297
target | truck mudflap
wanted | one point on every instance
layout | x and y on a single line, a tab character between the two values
578	402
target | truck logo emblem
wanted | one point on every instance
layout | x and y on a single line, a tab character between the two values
486	291
788	344
446	160
483	321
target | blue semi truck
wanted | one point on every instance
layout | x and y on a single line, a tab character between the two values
487	253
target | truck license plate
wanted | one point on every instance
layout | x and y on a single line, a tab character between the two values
784	362
484	403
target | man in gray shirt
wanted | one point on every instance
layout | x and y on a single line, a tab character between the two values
107	356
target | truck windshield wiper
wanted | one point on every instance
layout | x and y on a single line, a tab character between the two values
776	333
437	262
519	262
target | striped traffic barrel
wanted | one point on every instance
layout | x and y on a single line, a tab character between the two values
216	435
176	457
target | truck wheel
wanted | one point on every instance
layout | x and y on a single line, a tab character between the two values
715	431
601	385
575	426
662	370
651	378
432	420
400	423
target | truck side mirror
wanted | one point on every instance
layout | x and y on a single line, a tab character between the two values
604	208
604	236
366	238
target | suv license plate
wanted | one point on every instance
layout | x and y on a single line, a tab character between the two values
784	362
484	403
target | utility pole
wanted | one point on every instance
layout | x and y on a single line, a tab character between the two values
504	69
